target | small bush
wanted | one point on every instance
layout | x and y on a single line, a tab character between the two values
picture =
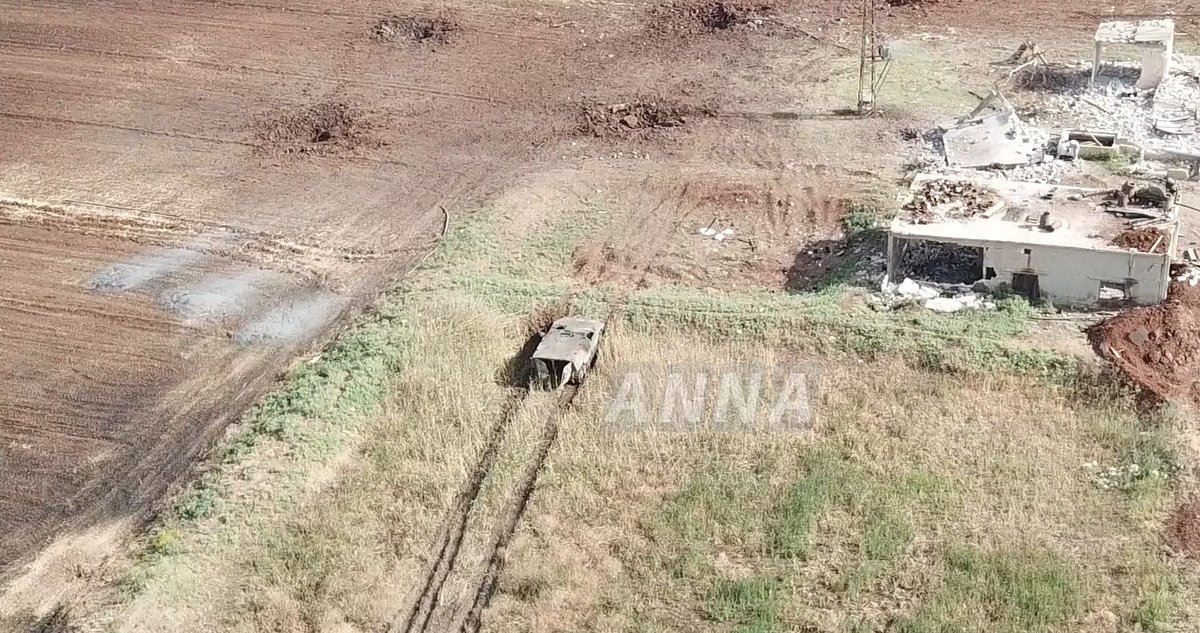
165	542
753	603
198	503
860	219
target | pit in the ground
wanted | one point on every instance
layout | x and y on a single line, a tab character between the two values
326	126
400	28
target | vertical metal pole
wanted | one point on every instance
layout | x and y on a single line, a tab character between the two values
862	61
871	50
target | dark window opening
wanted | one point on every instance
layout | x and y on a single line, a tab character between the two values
989	273
1026	284
1027	251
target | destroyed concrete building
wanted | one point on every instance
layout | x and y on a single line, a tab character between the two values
1070	245
1154	38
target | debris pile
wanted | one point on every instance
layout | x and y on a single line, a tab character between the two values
1144	240
687	18
624	119
398	28
944	298
1163	118
1051	77
939	199
1051	171
998	139
1189	276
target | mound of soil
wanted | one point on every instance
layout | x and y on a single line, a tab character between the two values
398	28
1183	529
322	128
720	16
682	17
1142	240
1157	347
632	118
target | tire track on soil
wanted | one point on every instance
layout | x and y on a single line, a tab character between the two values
327	79
454	529
421	614
124	128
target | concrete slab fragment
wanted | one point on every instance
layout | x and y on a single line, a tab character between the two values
993	140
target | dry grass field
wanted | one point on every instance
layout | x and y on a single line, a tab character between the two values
931	492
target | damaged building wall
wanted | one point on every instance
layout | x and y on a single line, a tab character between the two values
1074	276
1065	275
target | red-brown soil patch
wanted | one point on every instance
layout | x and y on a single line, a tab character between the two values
1157	347
1183	528
782	235
1143	240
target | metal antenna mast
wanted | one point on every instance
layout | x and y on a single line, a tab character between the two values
872	53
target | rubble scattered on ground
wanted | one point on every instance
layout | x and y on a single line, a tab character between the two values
1123	477
1052	77
398	28
940	199
719	235
626	119
1047	172
1147	239
1133	114
1189	276
945	298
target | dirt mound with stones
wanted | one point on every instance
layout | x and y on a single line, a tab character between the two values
401	29
1146	240
634	118
325	128
690	18
1183	529
1157	347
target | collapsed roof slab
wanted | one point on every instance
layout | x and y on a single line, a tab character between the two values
1079	224
991	141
